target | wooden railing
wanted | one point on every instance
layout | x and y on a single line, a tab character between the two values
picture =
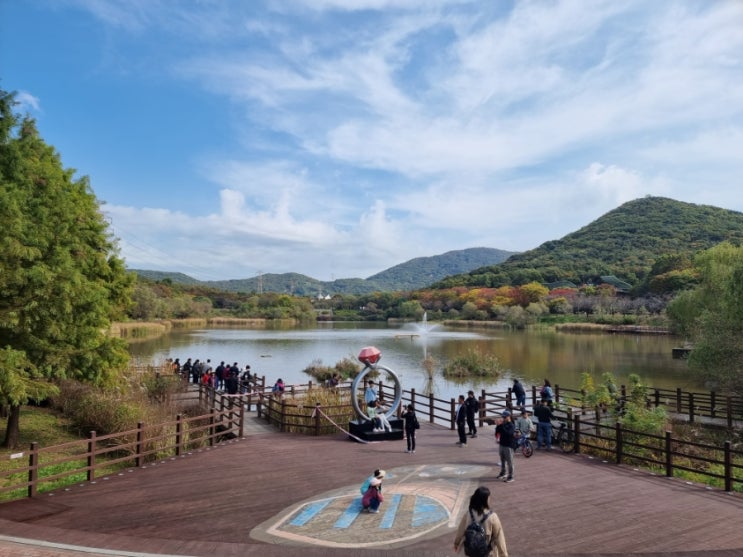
723	464
45	468
88	459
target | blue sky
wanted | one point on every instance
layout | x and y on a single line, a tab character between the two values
337	138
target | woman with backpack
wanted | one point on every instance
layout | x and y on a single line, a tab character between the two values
480	531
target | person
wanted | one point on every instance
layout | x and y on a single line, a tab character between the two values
523	424
546	393
186	369
333	381
472	406
177	366
381	410
373	497
371	413
461	420
196	371
519	393
370	394
278	388
378	474
411	424
231	383
544	417
504	432
221	373
479	508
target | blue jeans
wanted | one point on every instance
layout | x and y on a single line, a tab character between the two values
544	434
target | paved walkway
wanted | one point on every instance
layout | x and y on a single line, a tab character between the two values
283	494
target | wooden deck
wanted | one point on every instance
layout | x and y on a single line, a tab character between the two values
223	502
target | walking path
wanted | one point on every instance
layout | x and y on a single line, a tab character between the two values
272	494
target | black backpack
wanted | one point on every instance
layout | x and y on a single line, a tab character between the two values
476	543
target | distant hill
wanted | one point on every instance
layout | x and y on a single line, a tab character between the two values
411	275
624	243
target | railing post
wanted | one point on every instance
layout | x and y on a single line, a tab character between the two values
480	411
178	435
317	419
242	417
282	417
678	400
557	394
33	469
91	456
430	408
533	396
669	456
212	421
712	404
618	438
728	464
691	408
453	406
576	433
138	454
657	397
729	410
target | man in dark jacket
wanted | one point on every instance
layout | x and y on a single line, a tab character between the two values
472	405
544	414
519	393
460	417
504	433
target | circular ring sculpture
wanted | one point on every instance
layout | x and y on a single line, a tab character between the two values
359	380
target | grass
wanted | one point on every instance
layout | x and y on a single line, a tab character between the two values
45	427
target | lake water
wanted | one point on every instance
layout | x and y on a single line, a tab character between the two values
528	355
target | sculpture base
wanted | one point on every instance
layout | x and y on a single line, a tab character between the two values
363	429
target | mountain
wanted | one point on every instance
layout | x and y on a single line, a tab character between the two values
624	243
411	275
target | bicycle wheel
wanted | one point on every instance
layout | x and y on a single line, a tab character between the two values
526	449
567	441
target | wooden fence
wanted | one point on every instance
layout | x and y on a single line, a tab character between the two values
47	468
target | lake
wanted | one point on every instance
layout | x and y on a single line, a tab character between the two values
528	355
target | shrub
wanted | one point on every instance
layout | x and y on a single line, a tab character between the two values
473	364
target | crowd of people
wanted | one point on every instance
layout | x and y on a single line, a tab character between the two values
226	378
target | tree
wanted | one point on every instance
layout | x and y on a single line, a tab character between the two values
61	283
711	316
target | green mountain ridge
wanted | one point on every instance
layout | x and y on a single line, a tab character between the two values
411	275
625	242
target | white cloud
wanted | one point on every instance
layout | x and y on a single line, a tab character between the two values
27	101
424	126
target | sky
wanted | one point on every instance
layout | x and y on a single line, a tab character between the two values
337	138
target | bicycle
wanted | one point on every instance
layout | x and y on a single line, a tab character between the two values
563	437
524	443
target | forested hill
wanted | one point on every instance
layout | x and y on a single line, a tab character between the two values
411	275
423	271
625	242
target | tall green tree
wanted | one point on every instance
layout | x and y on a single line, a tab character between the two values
61	281
711	316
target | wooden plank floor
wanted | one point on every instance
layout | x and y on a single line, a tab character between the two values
207	503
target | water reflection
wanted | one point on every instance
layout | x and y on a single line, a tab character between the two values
529	355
